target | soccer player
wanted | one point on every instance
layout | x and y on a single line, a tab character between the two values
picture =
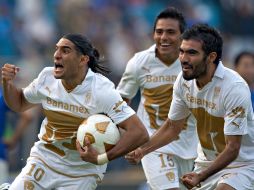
154	72
244	65
70	92
220	101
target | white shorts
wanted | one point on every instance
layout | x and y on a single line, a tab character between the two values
37	176
240	178
163	171
4	171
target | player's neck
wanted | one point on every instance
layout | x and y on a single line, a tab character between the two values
71	84
207	77
167	60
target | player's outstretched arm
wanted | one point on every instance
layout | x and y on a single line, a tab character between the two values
13	96
166	134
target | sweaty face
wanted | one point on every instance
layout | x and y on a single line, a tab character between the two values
66	60
193	60
167	37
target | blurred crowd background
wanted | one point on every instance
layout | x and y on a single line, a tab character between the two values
29	30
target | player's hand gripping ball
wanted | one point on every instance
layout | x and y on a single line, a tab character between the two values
102	133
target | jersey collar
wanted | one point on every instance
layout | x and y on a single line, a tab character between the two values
220	70
152	49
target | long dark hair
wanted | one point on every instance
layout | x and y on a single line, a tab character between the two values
85	47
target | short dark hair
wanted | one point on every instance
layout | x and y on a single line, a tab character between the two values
211	39
173	13
85	47
242	54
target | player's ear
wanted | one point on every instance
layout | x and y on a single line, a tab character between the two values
84	59
212	56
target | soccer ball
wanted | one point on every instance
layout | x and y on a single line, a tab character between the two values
102	133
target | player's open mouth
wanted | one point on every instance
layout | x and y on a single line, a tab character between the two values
186	67
58	67
165	45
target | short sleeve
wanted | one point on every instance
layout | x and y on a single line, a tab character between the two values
111	103
31	91
129	85
237	106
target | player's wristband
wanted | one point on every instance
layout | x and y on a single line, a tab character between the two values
102	159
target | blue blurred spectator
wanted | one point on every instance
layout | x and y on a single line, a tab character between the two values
244	65
8	143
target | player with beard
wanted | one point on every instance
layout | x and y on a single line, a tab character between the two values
220	101
154	72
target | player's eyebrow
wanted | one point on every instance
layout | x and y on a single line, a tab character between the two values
65	47
191	51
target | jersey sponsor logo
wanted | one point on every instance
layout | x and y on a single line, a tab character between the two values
161	78
67	107
200	102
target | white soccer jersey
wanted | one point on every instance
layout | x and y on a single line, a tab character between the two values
155	81
221	107
65	111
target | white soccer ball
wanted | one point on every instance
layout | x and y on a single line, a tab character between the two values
102	133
